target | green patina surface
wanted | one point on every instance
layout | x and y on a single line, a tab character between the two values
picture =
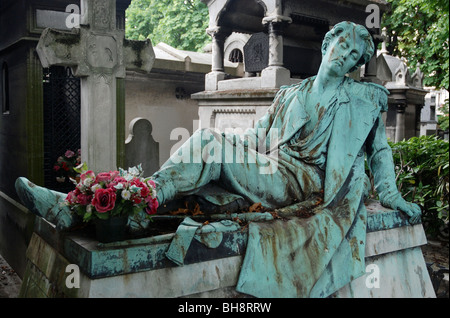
321	130
129	256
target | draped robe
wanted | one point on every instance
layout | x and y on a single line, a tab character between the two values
310	257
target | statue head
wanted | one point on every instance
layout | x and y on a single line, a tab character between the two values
349	45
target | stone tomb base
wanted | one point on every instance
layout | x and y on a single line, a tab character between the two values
139	268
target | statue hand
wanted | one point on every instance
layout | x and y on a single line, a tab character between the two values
411	209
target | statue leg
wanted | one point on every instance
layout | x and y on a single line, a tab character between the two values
209	156
190	167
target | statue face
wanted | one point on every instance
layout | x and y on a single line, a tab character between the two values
343	52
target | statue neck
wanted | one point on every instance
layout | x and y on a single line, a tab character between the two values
326	82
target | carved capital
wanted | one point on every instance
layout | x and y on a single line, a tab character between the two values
218	32
277	20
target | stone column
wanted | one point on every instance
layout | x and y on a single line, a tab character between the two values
218	35
371	67
275	30
400	122
275	74
99	54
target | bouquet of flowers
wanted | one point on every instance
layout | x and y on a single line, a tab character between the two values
65	165
113	193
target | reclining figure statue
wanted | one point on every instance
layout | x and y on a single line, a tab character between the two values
317	136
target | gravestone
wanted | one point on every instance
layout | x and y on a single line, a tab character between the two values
98	53
256	52
141	148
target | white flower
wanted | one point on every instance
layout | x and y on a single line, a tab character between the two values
89	208
87	182
95	187
126	194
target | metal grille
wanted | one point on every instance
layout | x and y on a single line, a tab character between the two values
236	56
61	121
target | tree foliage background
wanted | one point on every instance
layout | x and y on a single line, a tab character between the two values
418	30
179	23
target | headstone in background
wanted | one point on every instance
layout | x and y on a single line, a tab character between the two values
141	148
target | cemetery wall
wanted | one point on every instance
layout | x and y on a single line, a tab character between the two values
164	100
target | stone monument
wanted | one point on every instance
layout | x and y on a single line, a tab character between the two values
287	35
311	242
98	54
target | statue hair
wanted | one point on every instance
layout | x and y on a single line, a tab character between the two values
361	31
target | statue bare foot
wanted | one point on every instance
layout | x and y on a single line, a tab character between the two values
45	203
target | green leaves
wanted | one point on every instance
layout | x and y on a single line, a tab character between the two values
179	23
419	31
422	169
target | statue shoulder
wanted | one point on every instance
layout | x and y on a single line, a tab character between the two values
287	89
373	91
379	88
286	92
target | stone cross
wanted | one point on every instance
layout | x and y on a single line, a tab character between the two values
98	54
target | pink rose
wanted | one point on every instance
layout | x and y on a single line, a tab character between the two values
104	200
72	196
113	174
87	175
84	199
69	154
116	181
151	184
103	177
56	168
152	206
144	189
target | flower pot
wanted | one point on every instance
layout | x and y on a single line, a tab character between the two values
112	229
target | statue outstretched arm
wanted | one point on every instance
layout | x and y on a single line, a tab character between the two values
381	164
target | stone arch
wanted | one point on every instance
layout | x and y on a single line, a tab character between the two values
235	41
242	16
